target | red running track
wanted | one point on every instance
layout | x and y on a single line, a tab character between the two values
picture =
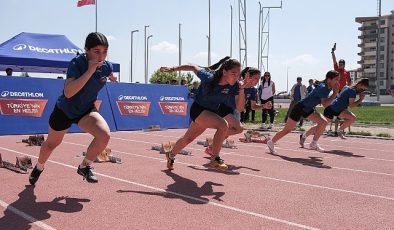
349	187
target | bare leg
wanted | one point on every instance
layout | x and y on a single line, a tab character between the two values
349	118
53	140
233	124
321	123
290	124
191	134
95	124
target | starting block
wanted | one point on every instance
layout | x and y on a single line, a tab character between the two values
167	147
154	128
254	136
106	156
36	140
21	166
230	143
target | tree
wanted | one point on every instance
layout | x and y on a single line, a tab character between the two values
162	78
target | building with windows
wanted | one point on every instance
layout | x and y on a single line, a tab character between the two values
378	68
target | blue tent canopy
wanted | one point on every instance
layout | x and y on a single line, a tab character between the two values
39	53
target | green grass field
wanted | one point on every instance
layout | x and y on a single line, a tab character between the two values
382	115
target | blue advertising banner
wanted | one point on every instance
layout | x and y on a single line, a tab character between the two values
26	104
137	106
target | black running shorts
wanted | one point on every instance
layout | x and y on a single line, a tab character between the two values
298	111
197	109
329	113
59	121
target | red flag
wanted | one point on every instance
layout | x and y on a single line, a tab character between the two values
85	2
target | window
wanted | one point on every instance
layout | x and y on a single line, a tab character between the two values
381	57
382	48
381	74
381	83
382	22
381	65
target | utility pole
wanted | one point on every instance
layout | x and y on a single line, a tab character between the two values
145	55
209	32
131	55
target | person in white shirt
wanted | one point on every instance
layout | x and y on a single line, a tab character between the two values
266	94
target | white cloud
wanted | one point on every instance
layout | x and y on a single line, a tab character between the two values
110	37
307	59
165	47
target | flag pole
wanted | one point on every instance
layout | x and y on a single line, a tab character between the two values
96	15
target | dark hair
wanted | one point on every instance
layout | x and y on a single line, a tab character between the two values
95	39
341	61
299	78
269	80
217	76
8	69
216	66
362	81
330	75
250	70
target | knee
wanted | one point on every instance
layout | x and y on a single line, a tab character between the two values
323	123
51	145
353	119
222	127
103	137
238	129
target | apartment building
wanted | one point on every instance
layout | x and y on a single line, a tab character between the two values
383	72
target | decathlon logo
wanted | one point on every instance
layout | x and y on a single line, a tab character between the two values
132	98
20	47
5	93
163	98
22	94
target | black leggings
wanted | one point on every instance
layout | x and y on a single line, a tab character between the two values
271	111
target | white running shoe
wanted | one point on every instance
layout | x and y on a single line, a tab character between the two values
302	140
270	146
315	146
270	126
263	126
341	134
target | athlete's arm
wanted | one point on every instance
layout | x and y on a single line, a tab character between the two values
193	68
73	85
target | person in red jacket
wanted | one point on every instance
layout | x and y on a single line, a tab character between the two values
344	75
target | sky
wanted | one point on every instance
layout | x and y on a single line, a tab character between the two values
301	33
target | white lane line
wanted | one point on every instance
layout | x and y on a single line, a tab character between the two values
280	160
291	142
26	216
264	147
232	208
256	176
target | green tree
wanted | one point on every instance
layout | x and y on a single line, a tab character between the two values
162	78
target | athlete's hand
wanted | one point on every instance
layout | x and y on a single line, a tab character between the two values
335	88
247	82
112	78
362	96
94	64
166	69
267	105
